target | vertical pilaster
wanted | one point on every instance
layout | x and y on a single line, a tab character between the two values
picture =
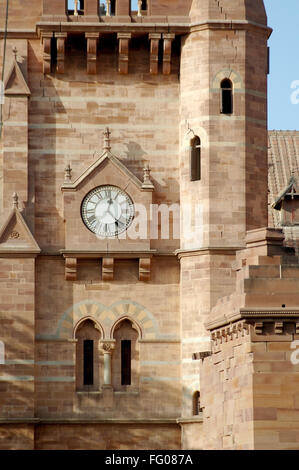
123	60
61	37
154	52
167	38
92	40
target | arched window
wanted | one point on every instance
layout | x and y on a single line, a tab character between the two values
87	356
226	96
144	5
2	353
125	359
195	159
196	403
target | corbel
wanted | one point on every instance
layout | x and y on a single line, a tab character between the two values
107	269
70	269
167	38
154	52
123	58
46	42
92	40
144	269
278	327
61	37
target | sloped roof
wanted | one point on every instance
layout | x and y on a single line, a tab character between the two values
283	164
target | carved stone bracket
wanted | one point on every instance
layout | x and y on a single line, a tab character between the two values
71	269
92	40
168	38
61	37
123	60
46	42
144	269
154	54
107	269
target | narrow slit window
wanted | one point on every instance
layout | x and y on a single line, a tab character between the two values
144	5
195	159
196	403
126	362
88	362
226	96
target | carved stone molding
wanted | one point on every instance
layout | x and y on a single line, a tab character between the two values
107	269
71	269
230	332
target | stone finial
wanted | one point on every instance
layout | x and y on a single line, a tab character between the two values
68	174
75	7
139	8
15	201
107	144
15	52
147	183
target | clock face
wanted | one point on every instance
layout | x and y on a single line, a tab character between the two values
107	211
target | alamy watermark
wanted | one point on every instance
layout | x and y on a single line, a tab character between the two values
295	94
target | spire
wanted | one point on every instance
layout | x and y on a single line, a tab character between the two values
15	201
107	144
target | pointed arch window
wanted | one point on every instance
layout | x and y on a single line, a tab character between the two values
226	96
125	359
87	356
195	157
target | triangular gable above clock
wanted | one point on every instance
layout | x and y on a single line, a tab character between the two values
15	83
15	235
107	157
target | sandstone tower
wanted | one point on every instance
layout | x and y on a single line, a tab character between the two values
142	341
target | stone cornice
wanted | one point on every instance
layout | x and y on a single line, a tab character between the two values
87	421
263	314
178	28
227	250
104	254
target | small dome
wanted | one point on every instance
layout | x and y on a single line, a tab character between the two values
203	10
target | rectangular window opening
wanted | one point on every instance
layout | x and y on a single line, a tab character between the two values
88	361
126	362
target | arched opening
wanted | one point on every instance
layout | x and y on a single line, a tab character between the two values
226	96
2	353
125	359
195	159
88	336
75	7
196	403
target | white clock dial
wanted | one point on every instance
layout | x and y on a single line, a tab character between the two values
107	211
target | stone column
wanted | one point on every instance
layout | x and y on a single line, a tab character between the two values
107	349
168	38
92	39
61	37
123	61
154	54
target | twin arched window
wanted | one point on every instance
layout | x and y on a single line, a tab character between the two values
226	96
90	363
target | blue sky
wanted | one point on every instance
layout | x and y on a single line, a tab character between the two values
283	17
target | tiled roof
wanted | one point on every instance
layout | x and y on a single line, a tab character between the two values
283	158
